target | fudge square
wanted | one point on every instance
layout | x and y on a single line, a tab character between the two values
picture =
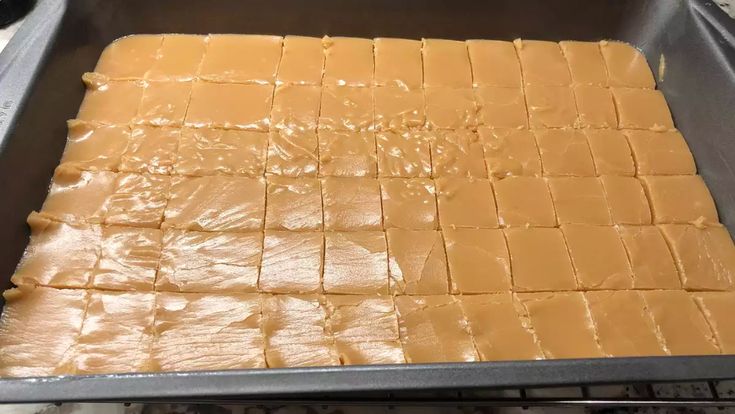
705	257
241	58
650	258
293	204
116	334
129	57
216	203
217	331
598	256
193	261
624	326
680	322
296	332
365	329
417	262
478	260
355	262
718	308
680	199
497	329
230	106
409	203
433	329
524	201
38	326
351	203
292	262
539	259
562	323
466	203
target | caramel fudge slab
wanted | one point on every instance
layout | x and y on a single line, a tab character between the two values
456	153
501	107
296	107
296	332
110	102
718	308
346	108
293	204
179	58
680	199
195	331
499	330
205	151
595	107
642	109
351	203
138	200
610	152
116	335
95	147
494	63
38	328
347	154
58	254
398	63
292	262
478	260
216	203
446	64
417	262
129	258
292	153
78	196
403	154
230	106
705	257
652	263
433	329
365	329
510	152
409	203
542	63
598	257
551	106
151	150
661	153
466	203
524	202
241	58
302	61
585	61
564	152
397	108
539	260
626	200
201	262
623	325
626	66
129	57
355	263
164	103
349	61
579	200
680	323
450	108
563	324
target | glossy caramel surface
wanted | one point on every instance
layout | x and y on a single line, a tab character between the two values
233	201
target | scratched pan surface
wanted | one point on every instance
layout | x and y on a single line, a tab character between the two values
40	88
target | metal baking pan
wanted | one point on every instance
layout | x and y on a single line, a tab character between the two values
690	45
